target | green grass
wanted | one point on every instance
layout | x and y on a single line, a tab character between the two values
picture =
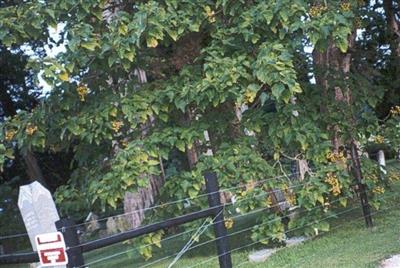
348	244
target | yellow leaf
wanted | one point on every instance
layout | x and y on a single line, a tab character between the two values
153	162
321	199
130	56
152	42
90	45
64	76
123	29
297	88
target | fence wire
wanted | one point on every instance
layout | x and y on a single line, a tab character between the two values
297	228
234	233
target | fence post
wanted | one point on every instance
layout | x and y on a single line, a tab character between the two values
67	228
222	241
361	186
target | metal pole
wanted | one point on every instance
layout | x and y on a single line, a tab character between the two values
75	256
361	186
224	254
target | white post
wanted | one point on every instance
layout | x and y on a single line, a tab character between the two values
381	161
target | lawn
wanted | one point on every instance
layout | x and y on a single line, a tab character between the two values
348	244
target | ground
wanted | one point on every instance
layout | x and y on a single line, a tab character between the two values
348	244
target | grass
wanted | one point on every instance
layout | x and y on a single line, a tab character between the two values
348	244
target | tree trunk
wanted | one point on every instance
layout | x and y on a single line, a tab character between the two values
135	204
393	26
191	153
32	167
332	59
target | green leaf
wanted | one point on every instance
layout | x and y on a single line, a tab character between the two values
343	201
153	162
90	45
277	90
323	226
180	145
264	97
192	193
343	45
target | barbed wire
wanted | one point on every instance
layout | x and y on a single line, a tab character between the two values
186	199
156	206
188	231
291	230
237	216
13	236
237	232
351	221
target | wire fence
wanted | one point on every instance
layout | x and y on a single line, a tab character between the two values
232	234
255	211
196	232
174	202
154	262
149	264
297	228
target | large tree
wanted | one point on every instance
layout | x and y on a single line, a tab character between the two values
235	70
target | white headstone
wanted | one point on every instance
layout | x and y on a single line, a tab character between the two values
38	210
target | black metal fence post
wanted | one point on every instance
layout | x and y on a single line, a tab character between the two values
222	241
74	252
361	186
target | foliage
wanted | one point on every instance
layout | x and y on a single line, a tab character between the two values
208	59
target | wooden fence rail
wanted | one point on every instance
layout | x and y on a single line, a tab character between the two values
75	249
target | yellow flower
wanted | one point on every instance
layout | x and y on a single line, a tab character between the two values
360	2
82	92
374	177
116	125
31	129
317	10
336	157
210	14
10	134
379	139
333	181
124	143
394	176
249	96
378	190
269	201
358	22
345	6
250	186
395	110
290	198
228	223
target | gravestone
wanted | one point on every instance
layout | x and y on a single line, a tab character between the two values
381	161
92	223
38	211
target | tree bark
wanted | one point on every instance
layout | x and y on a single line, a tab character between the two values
191	153
33	169
333	60
393	26
136	203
